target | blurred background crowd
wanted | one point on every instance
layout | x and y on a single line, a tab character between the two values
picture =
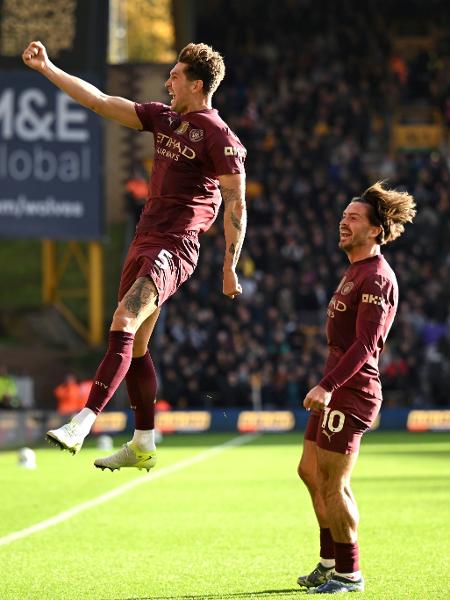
316	118
317	92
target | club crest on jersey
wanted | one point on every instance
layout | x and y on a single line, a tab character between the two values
182	128
347	288
195	135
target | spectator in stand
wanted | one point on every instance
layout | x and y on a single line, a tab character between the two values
136	194
69	396
84	387
8	390
334	85
309	136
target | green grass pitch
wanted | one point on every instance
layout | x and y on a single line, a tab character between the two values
236	524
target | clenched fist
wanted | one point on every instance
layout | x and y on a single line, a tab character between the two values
35	56
317	398
231	285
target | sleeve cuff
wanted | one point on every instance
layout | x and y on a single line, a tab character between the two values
140	111
327	385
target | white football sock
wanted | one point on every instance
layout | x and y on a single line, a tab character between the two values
328	563
356	576
85	419
144	439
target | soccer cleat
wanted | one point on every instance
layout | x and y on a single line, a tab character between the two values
338	585
127	456
68	437
319	575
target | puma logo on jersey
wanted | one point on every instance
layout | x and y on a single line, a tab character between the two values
327	433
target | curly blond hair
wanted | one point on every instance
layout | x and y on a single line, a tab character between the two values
203	63
389	209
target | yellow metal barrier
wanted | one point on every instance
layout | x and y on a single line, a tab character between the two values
56	260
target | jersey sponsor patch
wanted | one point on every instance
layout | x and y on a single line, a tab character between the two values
234	151
372	299
335	305
171	148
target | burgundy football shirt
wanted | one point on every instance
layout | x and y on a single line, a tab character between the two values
191	151
360	315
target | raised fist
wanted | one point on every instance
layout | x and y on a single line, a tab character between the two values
35	56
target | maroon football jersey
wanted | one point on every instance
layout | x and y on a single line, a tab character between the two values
360	315
191	151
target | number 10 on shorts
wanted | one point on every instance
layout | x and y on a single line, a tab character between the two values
162	260
333	420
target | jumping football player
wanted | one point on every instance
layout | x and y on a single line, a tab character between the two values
198	162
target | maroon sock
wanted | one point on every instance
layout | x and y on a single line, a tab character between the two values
141	385
111	370
347	557
326	543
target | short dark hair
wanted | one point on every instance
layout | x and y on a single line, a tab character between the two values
205	64
388	209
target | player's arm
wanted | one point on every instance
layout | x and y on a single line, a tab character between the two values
111	107
369	330
232	188
367	336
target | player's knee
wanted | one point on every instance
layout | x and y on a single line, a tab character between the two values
332	494
307	475
123	321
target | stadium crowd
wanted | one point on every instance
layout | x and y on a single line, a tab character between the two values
308	92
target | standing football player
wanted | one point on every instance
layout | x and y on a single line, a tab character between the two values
198	162
347	400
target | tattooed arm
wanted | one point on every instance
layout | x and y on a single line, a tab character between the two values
232	188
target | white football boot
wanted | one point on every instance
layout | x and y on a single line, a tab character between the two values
68	437
128	456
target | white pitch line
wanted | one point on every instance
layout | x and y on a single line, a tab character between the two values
122	489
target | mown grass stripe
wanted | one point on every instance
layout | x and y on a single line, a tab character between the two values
122	489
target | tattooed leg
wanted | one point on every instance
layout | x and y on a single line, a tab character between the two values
141	294
138	304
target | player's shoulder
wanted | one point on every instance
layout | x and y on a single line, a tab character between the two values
377	274
374	265
209	117
214	124
155	110
383	270
154	107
